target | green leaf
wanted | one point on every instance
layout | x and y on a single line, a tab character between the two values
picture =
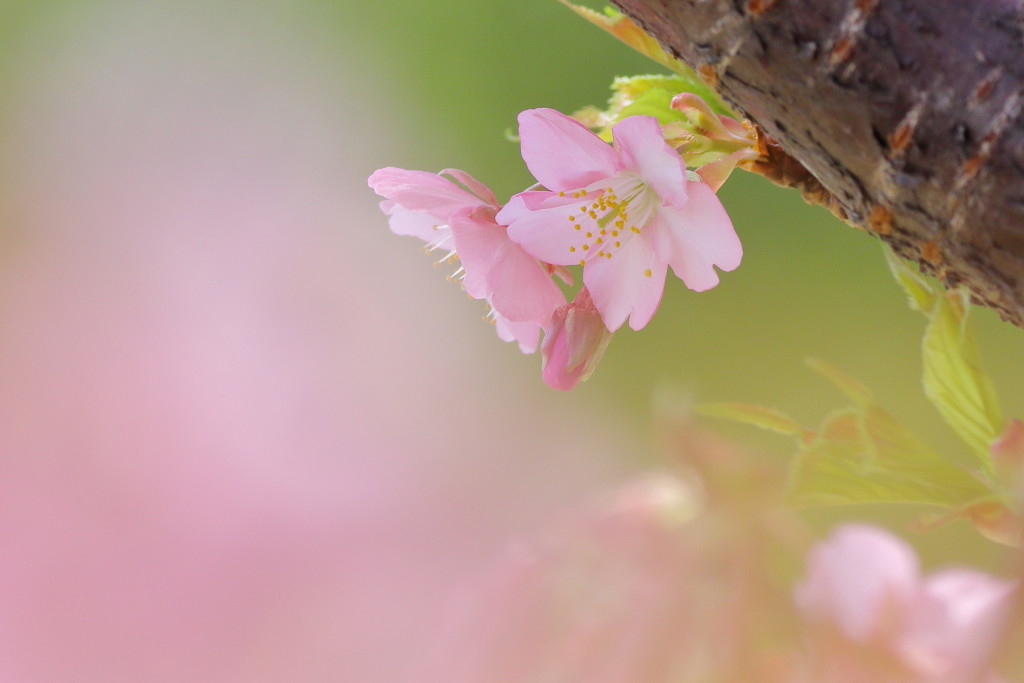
864	456
627	89
656	102
859	455
857	392
755	415
919	291
954	380
626	30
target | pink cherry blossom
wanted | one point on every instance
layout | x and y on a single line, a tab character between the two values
525	334
573	343
458	215
419	203
625	212
497	269
873	614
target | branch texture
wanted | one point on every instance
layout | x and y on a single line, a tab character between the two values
908	112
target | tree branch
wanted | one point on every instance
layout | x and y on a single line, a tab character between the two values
908	112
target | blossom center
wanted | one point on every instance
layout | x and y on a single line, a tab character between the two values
608	215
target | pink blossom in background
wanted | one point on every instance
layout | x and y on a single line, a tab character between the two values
1008	455
625	212
874	617
245	438
603	597
670	578
226	407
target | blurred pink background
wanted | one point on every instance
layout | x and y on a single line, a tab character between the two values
246	433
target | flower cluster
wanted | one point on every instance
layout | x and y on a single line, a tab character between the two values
654	585
625	212
873	617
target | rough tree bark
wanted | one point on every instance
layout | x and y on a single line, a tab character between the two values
908	112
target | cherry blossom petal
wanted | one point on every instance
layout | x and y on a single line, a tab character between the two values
498	270
562	153
856	577
521	290
958	619
527	335
521	204
472	184
715	174
557	371
629	284
421	191
574	343
697	238
477	243
644	150
867	582
547	234
414	223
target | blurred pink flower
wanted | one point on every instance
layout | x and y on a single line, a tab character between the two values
651	585
219	420
602	598
1008	455
625	212
874	617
